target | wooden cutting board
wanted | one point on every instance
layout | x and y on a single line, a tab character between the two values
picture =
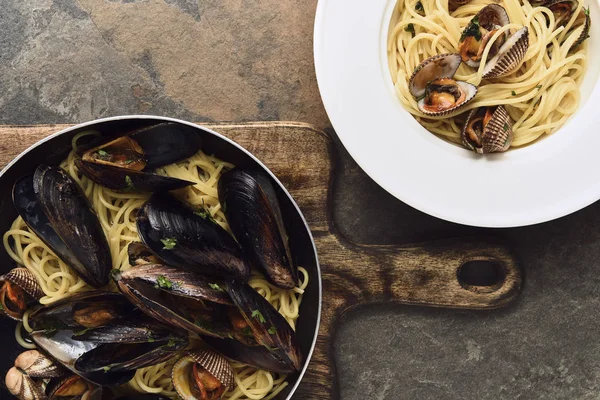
470	273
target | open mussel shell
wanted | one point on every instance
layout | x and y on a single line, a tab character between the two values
188	240
139	254
204	371
488	130
18	289
269	327
55	208
478	33
178	298
252	209
440	66
57	211
256	356
72	387
509	56
101	337
128	180
446	96
126	163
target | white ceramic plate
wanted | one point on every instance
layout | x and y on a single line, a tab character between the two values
549	179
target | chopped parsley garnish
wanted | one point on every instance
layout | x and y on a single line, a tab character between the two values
106	369
505	127
172	343
1	307
472	30
150	340
538	87
410	28
169	243
129	183
586	11
256	314
272	330
204	214
81	332
419	7
163	283
513	93
103	153
247	331
216	287
230	336
129	161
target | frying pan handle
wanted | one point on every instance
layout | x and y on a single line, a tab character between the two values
471	273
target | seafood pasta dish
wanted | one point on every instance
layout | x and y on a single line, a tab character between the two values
146	268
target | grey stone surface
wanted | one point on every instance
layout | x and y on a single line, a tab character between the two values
72	61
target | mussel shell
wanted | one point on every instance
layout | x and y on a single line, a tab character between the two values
256	356
440	66
128	180
213	362
167	143
252	209
38	365
140	254
198	244
23	386
470	92
169	309
269	327
28	207
497	135
184	283
70	214
509	55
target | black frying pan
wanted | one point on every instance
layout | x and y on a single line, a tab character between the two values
55	148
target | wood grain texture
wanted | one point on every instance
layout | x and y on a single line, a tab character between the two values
425	274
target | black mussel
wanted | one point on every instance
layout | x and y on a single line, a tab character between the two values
269	327
126	163
19	289
57	211
72	387
102	337
177	297
256	356
189	240
250	204
129	180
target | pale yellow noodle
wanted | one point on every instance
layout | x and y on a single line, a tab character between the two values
116	212
549	62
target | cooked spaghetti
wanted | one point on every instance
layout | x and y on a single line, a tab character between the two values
116	212
540	95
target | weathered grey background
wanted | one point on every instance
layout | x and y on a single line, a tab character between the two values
237	60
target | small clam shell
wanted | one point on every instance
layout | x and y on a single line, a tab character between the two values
489	17
23	386
497	134
587	22
469	89
38	365
213	362
26	280
440	66
509	56
562	10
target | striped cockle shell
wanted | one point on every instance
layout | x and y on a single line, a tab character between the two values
470	92
22	386
440	66
497	134
25	280
489	17
38	365
585	19
213	362
509	55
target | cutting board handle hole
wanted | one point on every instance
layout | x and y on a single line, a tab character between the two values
482	275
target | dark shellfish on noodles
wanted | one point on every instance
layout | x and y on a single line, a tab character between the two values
202	374
176	297
189	240
125	163
72	387
19	289
55	208
488	130
101	337
478	33
562	10
509	56
252	209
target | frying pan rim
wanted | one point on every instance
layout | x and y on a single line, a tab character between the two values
239	147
